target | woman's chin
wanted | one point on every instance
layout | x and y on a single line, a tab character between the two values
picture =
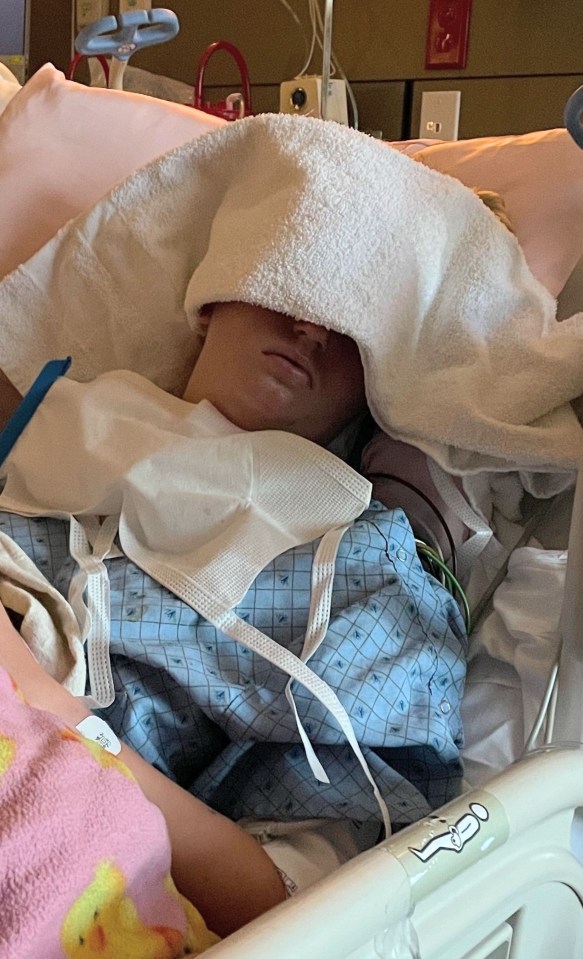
264	409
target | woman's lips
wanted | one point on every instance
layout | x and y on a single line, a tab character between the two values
294	370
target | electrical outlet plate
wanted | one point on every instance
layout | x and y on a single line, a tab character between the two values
440	114
303	96
447	34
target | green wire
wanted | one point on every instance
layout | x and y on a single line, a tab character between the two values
433	557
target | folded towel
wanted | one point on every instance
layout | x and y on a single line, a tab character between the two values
463	355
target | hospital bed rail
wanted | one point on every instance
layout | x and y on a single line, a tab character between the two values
513	888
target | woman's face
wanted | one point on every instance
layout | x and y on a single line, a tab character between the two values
264	370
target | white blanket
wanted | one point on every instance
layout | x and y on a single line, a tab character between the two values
462	353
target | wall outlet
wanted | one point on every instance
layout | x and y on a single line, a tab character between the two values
303	96
440	114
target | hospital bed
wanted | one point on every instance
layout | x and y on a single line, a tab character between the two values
495	873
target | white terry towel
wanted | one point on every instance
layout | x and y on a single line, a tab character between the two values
462	353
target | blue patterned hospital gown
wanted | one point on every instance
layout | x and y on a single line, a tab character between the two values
213	715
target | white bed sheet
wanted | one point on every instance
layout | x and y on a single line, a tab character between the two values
517	633
515	645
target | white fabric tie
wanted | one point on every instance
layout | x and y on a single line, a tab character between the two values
469	551
235	627
89	544
323	568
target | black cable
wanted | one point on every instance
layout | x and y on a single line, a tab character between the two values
425	498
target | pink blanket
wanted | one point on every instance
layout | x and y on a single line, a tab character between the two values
84	857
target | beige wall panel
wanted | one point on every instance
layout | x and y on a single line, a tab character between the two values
380	108
385	39
526	37
380	39
373	39
269	38
501	106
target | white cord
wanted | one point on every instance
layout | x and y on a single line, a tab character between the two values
542	713
306	65
550	726
293	14
350	93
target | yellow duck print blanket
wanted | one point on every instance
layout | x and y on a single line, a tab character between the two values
85	864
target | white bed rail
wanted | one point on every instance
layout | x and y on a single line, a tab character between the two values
490	875
568	715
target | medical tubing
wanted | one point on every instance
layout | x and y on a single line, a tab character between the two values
349	90
425	498
552	710
316	21
310	52
431	552
318	24
530	743
309	49
452	585
198	92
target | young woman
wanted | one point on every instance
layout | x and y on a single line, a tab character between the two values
259	370
291	376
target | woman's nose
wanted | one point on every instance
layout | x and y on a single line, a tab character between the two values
318	334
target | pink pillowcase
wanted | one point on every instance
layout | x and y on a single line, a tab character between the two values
64	145
540	177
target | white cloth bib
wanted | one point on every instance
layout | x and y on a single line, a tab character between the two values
202	506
